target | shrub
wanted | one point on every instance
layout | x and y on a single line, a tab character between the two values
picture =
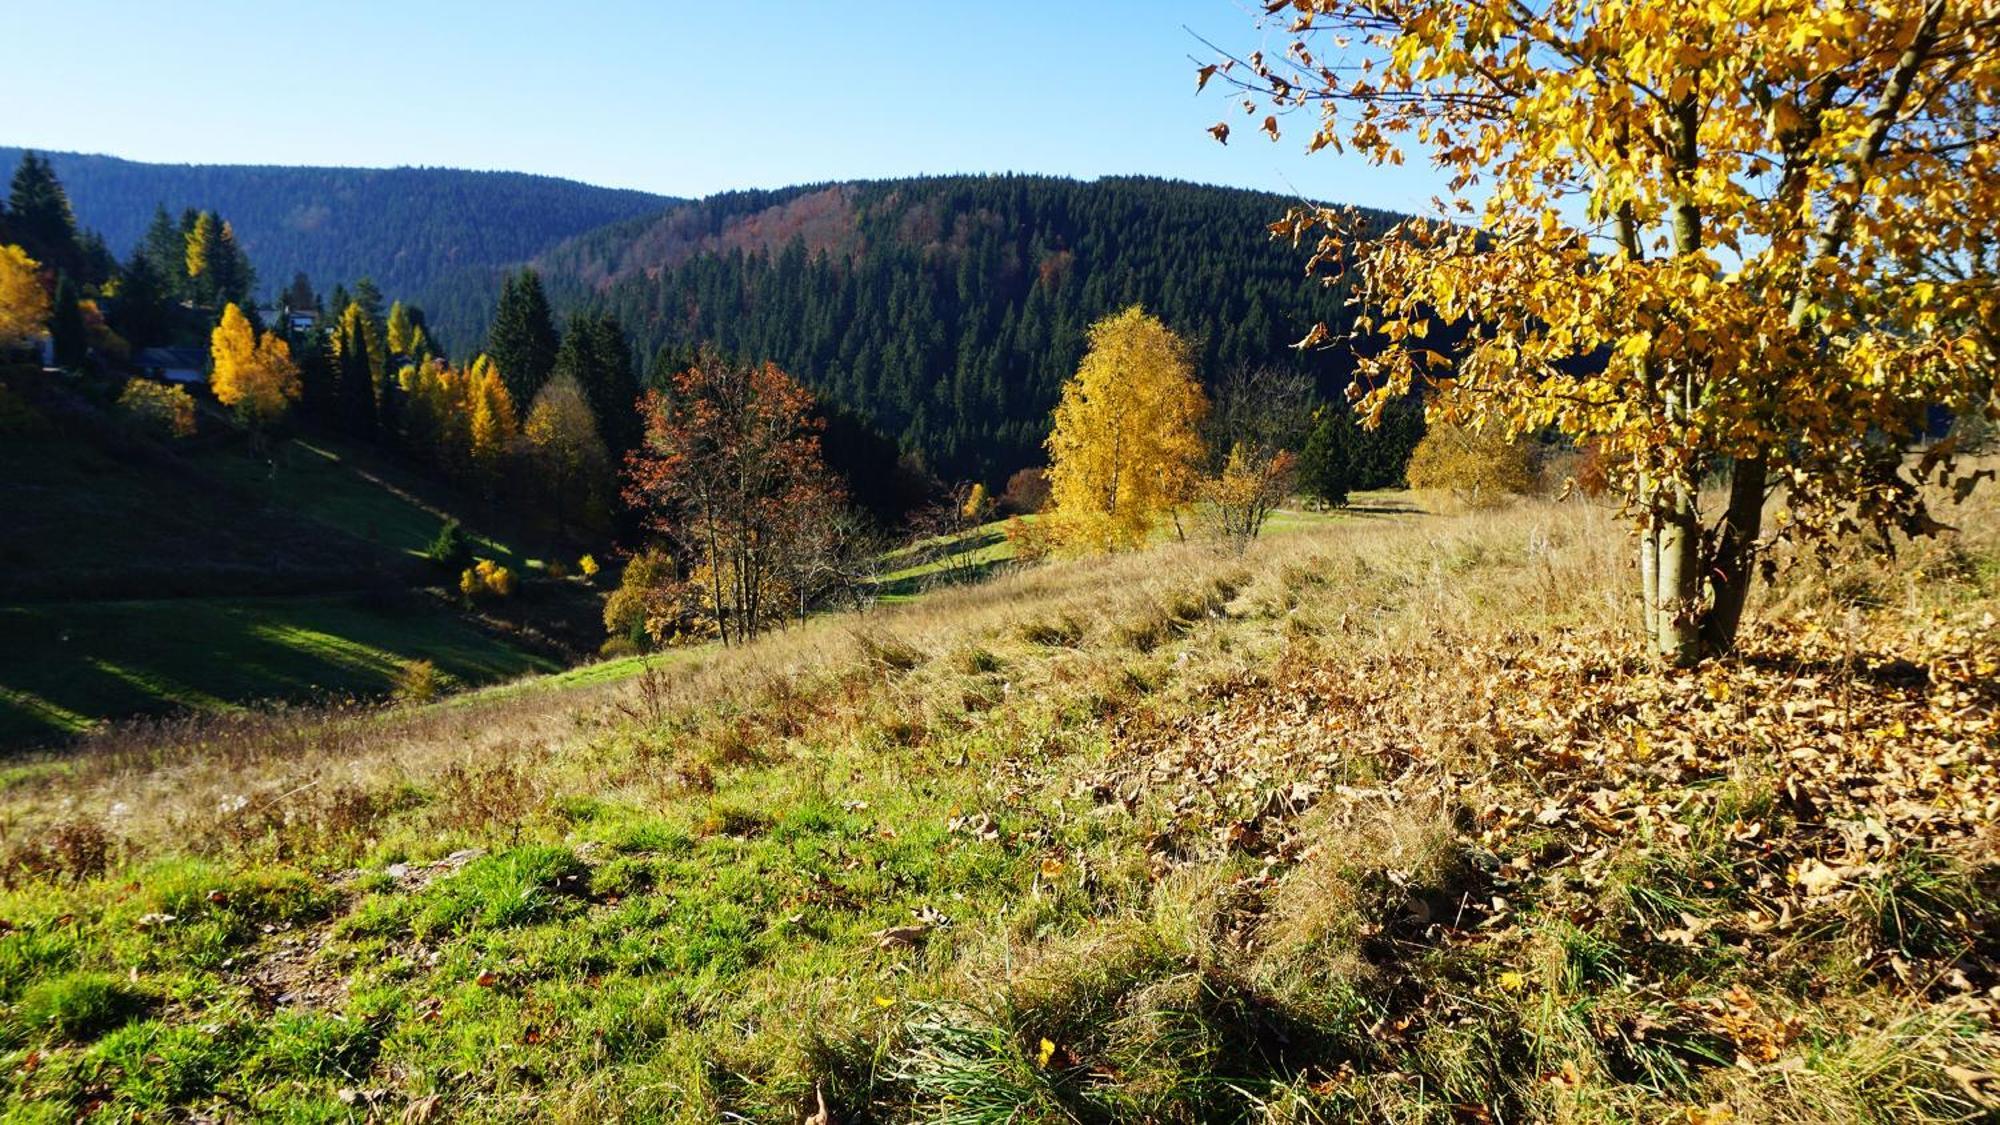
419	681
1031	540
556	569
159	409
1026	492
451	548
486	579
587	566
1477	468
654	604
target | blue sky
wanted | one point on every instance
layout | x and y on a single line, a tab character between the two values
676	97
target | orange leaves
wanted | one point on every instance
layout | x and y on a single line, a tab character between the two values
1220	131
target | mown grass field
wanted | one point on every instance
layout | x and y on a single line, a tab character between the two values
1382	820
65	665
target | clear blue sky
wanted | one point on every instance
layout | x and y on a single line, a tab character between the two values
676	97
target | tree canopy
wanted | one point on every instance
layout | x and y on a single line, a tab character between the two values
1126	447
1704	234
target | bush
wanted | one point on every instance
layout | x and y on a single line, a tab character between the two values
1475	468
160	409
587	566
419	681
452	548
1031	540
654	605
486	579
1026	492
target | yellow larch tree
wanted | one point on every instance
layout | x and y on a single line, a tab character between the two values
252	374
1749	237
495	425
24	303
1126	448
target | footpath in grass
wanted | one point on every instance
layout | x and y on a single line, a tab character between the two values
63	665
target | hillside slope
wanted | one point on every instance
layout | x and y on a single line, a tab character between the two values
408	228
138	579
948	310
1382	821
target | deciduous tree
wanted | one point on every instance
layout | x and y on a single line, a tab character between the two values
252	374
730	468
571	465
24	303
1126	448
1704	235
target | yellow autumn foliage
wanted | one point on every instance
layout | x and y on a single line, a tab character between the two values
1125	450
24	304
253	374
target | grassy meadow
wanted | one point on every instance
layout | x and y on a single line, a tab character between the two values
1385	819
136	581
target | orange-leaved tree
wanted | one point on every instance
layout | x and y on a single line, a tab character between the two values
24	303
1126	448
1703	235
730	468
253	374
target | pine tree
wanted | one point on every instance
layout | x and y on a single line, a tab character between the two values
142	311
594	352
523	339
356	372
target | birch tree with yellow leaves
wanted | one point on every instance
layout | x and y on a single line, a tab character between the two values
1126	449
1737	237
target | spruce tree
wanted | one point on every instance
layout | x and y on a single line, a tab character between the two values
39	216
523	339
143	311
66	329
165	250
1326	465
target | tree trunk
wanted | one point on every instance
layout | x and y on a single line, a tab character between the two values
1677	578
1731	571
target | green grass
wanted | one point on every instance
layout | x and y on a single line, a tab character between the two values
319	479
64	665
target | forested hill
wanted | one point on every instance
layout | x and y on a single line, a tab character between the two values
407	228
949	310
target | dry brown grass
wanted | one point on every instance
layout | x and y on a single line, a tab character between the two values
1275	810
